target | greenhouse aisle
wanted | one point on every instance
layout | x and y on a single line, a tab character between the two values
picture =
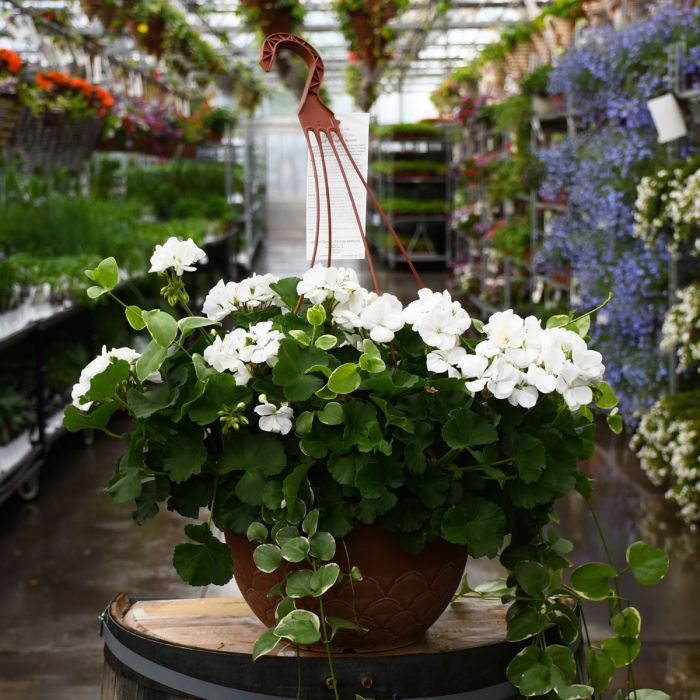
89	550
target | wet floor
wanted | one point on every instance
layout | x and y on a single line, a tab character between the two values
66	554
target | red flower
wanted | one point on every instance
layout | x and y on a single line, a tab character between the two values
13	63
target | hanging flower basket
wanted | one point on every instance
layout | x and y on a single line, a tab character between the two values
564	30
53	139
367	24
269	17
10	110
149	35
540	45
521	56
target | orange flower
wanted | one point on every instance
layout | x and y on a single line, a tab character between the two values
13	62
43	81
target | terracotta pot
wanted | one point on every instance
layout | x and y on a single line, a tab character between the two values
371	45
521	56
400	597
540	44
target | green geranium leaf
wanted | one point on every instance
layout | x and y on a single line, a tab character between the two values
265	643
326	342
145	404
331	413
479	524
299	584
105	275
601	669
267	557
205	563
324	578
97	418
465	428
290	370
344	379
296	549
530	671
151	360
292	483
322	546
126	488
592	581
161	325
258	452
134	317
184	454
532	577
529	456
220	391
627	623
250	488
394	383
287	290
648	564
338	623
104	385
300	627
257	532
622	650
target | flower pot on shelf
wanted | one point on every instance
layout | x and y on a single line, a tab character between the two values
400	596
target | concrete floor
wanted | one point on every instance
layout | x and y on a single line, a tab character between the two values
65	555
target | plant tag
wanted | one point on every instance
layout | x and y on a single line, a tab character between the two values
346	241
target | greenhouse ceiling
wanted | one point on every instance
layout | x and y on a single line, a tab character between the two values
429	45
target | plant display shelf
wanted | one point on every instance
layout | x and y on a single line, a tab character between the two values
425	236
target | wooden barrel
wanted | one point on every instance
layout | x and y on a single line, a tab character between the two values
166	649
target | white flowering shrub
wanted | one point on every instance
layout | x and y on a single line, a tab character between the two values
668	207
668	446
681	328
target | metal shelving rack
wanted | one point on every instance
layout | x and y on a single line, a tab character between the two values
427	237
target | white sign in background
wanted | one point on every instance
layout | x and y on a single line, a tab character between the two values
346	239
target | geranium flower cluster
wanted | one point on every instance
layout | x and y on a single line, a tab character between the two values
251	294
519	360
176	254
681	328
10	62
668	446
59	84
240	350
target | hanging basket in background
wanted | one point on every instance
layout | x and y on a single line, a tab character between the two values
53	139
10	109
564	30
368	23
270	18
540	45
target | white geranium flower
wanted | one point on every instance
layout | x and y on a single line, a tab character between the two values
180	255
589	364
255	292
441	361
437	319
273	419
224	354
525	396
542	380
575	391
347	314
475	368
382	318
99	365
321	283
219	302
264	344
504	330
503	378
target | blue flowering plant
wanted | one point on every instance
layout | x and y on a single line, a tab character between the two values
292	410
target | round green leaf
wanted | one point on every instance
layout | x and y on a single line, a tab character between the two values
331	413
95	292
526	623
285	533
648	564
265	643
257	532
344	379
296	549
206	562
322	546
161	325
301	337
310	524
267	558
324	578
627	623
316	315
622	650
304	423
530	671
592	580
300	627
106	274
326	342
134	316
532	577
563	659
648	694
601	669
299	584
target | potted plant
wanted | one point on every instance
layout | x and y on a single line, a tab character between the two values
493	60
340	440
10	68
216	119
563	14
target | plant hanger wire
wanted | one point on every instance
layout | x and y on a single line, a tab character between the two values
317	120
